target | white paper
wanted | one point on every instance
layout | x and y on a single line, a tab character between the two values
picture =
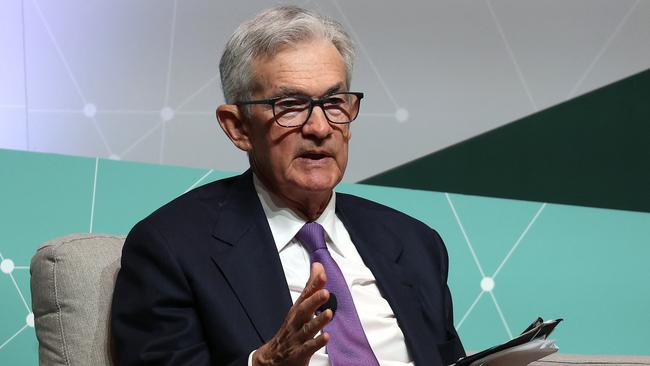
520	355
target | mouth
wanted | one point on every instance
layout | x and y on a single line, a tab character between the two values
315	155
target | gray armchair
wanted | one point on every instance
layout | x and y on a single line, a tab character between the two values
72	286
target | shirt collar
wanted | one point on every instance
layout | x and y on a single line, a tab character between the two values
285	223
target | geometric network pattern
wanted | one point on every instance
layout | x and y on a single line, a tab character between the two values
510	261
488	281
139	81
7	266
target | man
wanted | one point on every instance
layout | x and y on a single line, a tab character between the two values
235	272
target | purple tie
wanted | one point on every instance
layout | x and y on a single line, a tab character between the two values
348	344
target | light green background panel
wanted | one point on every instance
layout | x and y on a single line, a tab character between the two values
589	266
128	192
41	197
491	230
586	265
480	234
18	344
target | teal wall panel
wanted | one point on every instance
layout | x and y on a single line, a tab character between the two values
584	264
126	193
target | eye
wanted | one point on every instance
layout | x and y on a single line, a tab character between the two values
291	103
335	100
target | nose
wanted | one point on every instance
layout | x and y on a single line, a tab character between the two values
317	125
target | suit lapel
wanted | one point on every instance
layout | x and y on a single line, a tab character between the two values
248	258
381	249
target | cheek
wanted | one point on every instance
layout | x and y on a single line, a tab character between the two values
342	156
279	156
343	159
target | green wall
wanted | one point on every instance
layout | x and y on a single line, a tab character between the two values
587	265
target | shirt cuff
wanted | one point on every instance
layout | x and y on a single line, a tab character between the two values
250	358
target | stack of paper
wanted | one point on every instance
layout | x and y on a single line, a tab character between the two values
530	346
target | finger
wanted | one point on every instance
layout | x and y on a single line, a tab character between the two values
311	346
304	311
311	328
313	302
317	280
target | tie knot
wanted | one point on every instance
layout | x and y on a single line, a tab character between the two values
312	236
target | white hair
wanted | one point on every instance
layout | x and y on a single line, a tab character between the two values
265	35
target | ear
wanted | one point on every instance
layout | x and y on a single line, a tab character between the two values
231	120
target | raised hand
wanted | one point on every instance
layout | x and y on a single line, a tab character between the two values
294	342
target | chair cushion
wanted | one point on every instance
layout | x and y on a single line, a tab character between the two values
72	287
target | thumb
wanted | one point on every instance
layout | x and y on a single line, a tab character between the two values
317	280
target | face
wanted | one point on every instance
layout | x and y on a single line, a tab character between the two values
301	161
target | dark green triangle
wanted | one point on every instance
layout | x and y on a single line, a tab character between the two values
593	150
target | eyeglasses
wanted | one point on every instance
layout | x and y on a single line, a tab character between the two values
294	111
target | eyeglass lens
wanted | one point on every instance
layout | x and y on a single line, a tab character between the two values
338	108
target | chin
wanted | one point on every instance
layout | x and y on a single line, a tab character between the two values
319	183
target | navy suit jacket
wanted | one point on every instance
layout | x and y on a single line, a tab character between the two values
201	281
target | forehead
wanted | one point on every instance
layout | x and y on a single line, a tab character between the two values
310	68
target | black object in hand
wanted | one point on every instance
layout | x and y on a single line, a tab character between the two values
331	303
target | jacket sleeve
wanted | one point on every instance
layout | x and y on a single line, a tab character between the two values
451	350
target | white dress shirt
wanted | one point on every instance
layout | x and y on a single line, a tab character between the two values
377	318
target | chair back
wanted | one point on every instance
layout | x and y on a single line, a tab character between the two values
72	288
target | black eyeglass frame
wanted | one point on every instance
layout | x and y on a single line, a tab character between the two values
312	102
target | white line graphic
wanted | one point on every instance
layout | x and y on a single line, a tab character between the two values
20	293
520	74
13	336
199	180
140	139
600	53
64	61
197	92
92	207
365	52
503	318
462	229
521	237
462	320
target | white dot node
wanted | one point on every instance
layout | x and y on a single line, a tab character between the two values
7	266
487	284
30	320
90	110
401	115
114	157
167	114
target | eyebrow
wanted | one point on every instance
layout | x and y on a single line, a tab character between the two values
289	91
